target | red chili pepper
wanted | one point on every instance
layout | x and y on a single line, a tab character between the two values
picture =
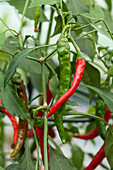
40	131
94	133
80	66
14	123
97	159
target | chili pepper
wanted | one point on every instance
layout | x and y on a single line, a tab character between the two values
14	123
23	125
63	50
37	16
40	131
52	132
80	66
100	111
97	159
95	133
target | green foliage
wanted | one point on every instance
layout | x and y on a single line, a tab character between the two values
18	58
26	162
91	77
57	161
34	3
109	145
77	157
53	85
11	101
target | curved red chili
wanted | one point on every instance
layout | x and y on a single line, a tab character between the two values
94	133
79	71
14	124
97	159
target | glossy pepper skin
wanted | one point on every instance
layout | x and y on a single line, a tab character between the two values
63	50
95	133
14	124
97	159
23	125
79	71
100	111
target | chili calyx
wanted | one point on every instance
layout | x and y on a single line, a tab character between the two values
79	71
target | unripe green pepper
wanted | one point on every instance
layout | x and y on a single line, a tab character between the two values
100	111
63	50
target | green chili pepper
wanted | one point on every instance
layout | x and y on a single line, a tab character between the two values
100	111
37	16
63	50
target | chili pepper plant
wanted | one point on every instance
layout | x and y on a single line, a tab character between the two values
56	85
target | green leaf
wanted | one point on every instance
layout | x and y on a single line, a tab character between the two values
57	161
53	85
97	12
71	103
87	15
13	167
58	26
11	48
77	157
30	13
86	46
18	58
1	168
109	4
79	7
110	71
109	145
35	3
11	101
1	115
105	95
30	65
2	39
91	79
27	163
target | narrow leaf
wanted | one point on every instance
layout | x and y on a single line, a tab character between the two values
11	101
35	3
109	145
91	79
27	163
87	15
15	63
2	39
53	85
105	95
13	167
58	161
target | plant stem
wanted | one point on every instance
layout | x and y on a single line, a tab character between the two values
37	109
50	26
55	144
21	25
34	98
45	119
37	146
7	53
107	28
75	45
50	55
85	35
50	69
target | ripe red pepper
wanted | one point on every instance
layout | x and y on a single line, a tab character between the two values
97	159
94	133
79	71
40	131
14	124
